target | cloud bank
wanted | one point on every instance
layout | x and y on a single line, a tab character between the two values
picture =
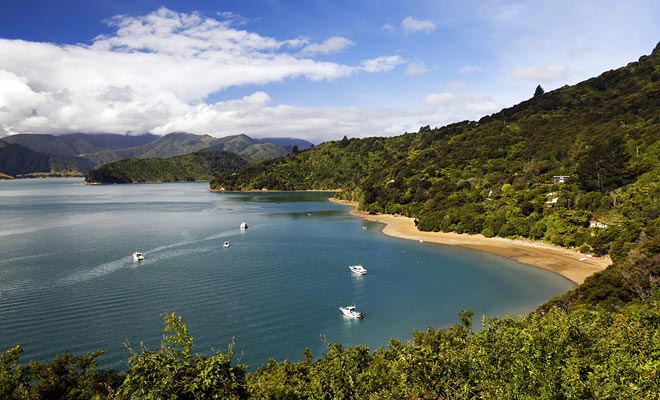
154	74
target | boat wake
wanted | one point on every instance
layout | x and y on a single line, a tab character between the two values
152	257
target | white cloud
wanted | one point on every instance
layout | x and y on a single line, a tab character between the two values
156	71
455	84
412	25
381	64
446	107
437	99
503	12
236	19
389	28
18	102
416	68
332	45
549	73
255	115
468	69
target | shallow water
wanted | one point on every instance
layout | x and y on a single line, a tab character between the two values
68	282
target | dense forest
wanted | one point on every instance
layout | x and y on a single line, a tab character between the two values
201	166
578	166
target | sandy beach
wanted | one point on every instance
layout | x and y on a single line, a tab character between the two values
565	262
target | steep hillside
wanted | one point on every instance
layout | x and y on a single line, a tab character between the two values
234	144
189	167
170	145
16	160
257	150
578	167
288	143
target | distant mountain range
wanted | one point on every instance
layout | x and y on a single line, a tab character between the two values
79	153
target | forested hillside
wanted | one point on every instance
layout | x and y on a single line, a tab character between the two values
18	160
578	167
200	166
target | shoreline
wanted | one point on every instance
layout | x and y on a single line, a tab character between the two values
560	260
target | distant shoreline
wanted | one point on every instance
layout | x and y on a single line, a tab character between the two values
562	261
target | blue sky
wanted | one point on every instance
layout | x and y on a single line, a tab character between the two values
317	69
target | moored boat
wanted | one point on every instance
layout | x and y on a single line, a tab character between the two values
357	269
244	225
225	244
351	312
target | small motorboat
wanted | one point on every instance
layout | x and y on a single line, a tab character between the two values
244	225
357	269
351	312
137	256
225	244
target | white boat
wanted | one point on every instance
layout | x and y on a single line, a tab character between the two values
351	312
225	244
244	225
137	256
357	269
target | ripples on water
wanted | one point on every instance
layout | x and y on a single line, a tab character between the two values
68	281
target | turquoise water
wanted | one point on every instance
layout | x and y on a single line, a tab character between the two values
68	282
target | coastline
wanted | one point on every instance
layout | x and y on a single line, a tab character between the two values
562	261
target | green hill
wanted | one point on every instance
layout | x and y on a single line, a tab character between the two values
16	160
497	176
190	167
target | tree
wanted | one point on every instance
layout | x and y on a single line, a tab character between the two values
539	91
14	377
604	165
174	371
294	149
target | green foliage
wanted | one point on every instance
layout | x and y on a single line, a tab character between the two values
539	91
189	167
16	159
14	378
585	353
174	372
633	276
66	377
602	351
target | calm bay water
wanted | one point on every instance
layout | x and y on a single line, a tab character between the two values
68	282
